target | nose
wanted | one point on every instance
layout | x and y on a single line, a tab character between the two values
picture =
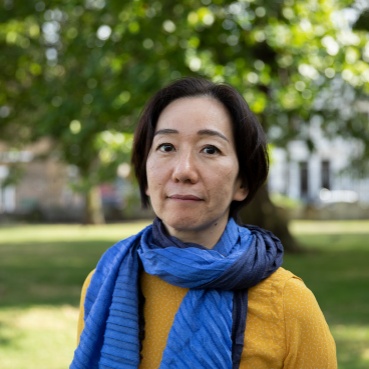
185	169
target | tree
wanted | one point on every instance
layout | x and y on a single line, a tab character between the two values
74	71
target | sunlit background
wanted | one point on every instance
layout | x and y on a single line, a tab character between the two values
74	76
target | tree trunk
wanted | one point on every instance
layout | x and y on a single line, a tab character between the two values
94	213
263	213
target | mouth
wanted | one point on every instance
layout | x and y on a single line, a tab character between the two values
184	197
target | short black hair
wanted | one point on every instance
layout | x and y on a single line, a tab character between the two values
249	137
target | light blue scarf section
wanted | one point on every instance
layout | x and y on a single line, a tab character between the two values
201	335
194	266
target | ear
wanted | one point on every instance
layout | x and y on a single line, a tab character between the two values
147	192
241	191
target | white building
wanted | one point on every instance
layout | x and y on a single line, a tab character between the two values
318	176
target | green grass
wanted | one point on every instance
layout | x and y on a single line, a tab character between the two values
335	268
42	268
40	336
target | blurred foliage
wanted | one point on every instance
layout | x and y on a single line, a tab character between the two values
284	201
80	71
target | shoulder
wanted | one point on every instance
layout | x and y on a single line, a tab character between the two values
309	342
105	266
117	251
274	286
266	299
284	315
101	281
113	256
284	301
299	301
86	283
287	294
265	326
282	276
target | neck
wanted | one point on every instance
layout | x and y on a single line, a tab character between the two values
207	237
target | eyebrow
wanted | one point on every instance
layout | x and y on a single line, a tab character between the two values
202	132
210	132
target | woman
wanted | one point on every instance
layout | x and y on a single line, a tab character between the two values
195	289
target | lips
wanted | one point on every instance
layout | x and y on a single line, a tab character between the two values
185	197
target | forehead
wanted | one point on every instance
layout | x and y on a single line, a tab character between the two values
200	112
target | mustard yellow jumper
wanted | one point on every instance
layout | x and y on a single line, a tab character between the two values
285	328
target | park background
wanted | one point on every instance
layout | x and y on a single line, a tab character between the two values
74	76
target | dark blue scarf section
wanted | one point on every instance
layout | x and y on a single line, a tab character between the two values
217	278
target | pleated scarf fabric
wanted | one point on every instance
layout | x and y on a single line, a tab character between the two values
213	311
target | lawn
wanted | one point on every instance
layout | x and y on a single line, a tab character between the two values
336	270
42	268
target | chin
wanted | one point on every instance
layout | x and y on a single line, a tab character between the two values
189	226
181	225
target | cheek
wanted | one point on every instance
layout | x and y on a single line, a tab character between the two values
225	185
150	170
148	178
228	176
154	179
221	185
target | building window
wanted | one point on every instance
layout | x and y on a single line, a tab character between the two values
7	193
304	179
325	174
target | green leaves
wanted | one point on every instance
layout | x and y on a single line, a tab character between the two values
97	62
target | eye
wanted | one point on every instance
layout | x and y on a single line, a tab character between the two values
211	150
165	147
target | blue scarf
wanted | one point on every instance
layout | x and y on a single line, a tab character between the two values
213	311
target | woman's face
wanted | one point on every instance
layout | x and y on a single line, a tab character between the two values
192	170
